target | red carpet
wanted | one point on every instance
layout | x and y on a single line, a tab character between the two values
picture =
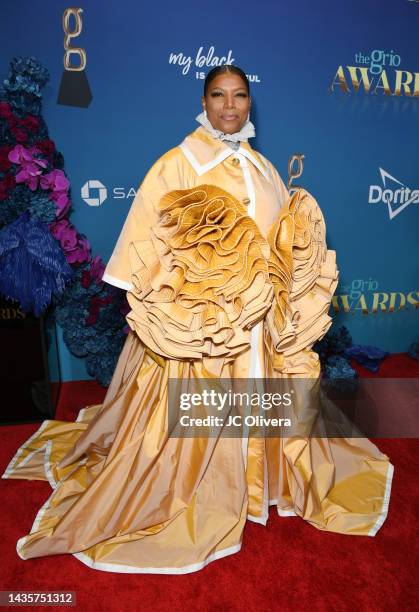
287	565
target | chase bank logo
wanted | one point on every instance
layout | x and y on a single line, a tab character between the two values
94	193
394	193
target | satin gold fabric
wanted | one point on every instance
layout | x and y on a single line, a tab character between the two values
203	274
173	171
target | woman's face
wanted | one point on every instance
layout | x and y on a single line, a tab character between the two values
227	103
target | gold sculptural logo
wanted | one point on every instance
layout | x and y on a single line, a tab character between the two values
73	33
377	72
295	170
74	86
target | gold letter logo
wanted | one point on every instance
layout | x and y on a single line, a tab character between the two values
294	174
69	34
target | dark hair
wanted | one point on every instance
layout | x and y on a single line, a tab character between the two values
222	70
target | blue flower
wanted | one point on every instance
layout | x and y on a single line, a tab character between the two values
339	375
368	356
15	205
22	89
42	207
333	343
32	265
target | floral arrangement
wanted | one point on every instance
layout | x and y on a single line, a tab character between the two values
44	261
336	348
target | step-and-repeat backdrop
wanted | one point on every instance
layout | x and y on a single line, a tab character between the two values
336	82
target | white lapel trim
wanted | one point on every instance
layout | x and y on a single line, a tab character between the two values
253	159
202	168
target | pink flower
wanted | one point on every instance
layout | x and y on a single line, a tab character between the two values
80	253
30	170
64	232
75	246
62	202
29	175
55	180
19	154
58	228
30	166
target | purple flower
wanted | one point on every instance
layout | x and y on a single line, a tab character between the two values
80	253
30	166
29	175
62	202
55	180
58	183
19	154
75	246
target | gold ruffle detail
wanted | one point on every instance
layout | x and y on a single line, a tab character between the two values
201	282
304	274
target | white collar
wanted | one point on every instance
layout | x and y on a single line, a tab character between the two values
204	153
247	130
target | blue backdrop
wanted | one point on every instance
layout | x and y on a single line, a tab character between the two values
145	63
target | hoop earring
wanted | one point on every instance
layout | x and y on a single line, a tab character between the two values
205	113
248	117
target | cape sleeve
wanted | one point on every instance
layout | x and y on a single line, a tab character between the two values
166	173
141	217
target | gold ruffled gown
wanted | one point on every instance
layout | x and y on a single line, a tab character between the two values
210	296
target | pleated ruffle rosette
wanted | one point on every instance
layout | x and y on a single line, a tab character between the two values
201	282
304	274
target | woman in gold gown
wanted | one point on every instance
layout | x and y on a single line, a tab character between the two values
228	276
